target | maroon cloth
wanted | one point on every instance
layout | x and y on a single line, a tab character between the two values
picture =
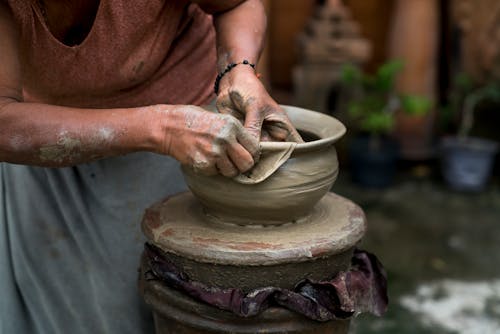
137	53
361	289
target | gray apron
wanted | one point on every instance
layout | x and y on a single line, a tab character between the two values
70	243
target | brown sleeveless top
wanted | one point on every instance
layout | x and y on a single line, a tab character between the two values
137	53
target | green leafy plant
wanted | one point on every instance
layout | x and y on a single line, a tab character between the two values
373	101
466	96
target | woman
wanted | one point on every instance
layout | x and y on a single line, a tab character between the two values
106	91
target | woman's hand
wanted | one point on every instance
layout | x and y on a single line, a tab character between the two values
210	143
242	95
240	27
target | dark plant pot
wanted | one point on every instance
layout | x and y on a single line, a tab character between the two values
373	167
466	164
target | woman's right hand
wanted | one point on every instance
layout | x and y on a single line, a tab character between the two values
208	142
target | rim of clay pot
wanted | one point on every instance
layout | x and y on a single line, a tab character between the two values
324	126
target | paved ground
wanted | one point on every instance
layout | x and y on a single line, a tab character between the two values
441	250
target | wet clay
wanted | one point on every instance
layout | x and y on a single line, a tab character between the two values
286	195
178	225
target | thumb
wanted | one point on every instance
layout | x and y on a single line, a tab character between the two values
253	121
225	106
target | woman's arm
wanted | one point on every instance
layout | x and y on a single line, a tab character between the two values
240	27
55	136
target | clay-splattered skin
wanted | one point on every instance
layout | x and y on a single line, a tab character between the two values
57	136
64	149
211	143
240	37
68	148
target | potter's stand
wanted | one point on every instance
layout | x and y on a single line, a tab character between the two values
229	243
249	257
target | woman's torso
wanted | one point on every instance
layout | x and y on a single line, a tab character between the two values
134	53
70	238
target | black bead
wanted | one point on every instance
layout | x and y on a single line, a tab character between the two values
228	68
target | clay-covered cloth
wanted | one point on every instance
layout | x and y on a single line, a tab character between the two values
363	288
70	238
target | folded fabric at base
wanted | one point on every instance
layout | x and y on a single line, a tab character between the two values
361	289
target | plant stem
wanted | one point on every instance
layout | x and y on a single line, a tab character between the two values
375	142
467	116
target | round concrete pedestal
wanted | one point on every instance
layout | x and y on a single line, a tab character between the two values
231	256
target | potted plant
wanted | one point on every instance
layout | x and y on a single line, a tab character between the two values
371	106
467	161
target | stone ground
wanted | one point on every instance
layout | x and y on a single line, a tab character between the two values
441	250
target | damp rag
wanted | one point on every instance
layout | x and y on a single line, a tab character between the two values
361	289
272	156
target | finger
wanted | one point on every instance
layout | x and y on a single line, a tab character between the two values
276	130
283	132
204	167
226	167
249	143
253	115
294	135
279	125
253	120
225	106
265	136
240	157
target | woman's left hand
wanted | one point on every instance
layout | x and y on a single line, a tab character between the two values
243	95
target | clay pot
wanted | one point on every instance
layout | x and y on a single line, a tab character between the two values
287	195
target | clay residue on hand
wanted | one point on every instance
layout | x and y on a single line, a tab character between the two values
200	162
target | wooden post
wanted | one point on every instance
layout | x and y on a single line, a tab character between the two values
414	39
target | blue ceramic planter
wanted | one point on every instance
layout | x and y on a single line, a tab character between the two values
466	164
373	167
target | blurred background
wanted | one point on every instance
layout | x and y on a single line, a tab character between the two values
417	84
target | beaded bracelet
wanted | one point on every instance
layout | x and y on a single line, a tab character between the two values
227	69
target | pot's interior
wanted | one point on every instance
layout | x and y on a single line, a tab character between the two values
308	136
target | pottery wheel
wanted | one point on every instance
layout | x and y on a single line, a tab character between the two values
248	257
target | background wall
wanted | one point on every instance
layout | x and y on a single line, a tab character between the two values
287	18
